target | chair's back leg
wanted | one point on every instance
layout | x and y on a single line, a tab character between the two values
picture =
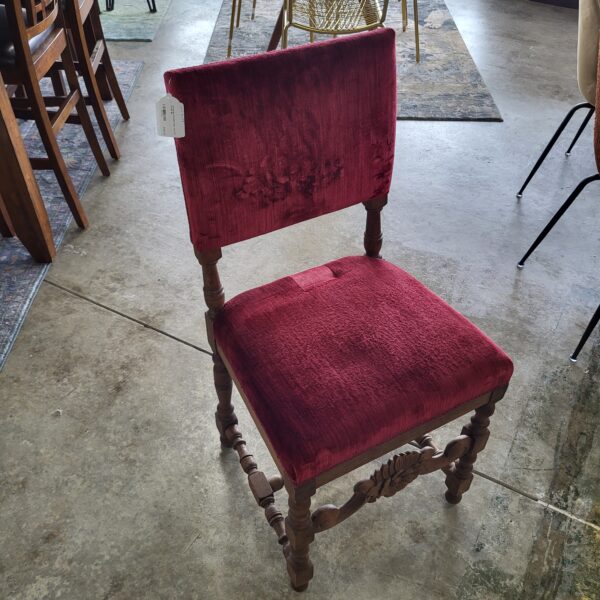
58	84
86	70
82	112
106	72
40	114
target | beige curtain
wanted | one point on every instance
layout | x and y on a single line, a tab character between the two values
587	48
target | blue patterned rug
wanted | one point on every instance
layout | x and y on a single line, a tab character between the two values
20	275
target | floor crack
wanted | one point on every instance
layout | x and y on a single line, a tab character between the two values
126	316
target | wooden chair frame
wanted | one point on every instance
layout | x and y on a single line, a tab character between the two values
88	61
93	44
296	532
49	112
22	211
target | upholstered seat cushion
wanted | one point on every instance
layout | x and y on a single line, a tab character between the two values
7	48
345	356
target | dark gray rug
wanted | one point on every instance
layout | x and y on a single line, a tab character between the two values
445	86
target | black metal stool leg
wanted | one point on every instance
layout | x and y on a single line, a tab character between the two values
152	5
551	143
586	334
561	211
580	130
110	5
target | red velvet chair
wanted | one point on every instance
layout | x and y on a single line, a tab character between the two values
347	361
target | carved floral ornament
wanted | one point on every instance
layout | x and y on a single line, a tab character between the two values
393	476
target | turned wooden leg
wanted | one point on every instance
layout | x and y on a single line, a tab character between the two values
299	530
224	416
458	479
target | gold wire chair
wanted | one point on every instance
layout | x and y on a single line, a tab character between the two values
333	17
330	17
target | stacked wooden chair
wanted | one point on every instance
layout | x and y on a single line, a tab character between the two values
93	63
347	361
37	41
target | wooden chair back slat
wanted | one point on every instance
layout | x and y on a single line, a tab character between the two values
43	22
40	15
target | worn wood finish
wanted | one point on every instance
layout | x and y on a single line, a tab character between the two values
27	72
21	202
456	460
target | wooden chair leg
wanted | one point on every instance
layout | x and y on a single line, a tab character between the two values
6	226
90	31
300	533
113	83
458	479
83	114
40	115
106	69
225	415
58	84
86	70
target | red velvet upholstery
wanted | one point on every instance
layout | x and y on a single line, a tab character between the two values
342	357
281	137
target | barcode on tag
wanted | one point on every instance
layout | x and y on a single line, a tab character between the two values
170	120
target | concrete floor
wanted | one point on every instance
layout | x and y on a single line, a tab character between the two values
126	494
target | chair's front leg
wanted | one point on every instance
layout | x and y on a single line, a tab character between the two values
225	415
458	480
299	530
215	301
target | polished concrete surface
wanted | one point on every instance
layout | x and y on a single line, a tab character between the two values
113	484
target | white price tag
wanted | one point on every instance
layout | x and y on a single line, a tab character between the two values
169	117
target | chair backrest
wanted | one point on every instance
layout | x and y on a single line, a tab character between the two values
282	137
41	14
